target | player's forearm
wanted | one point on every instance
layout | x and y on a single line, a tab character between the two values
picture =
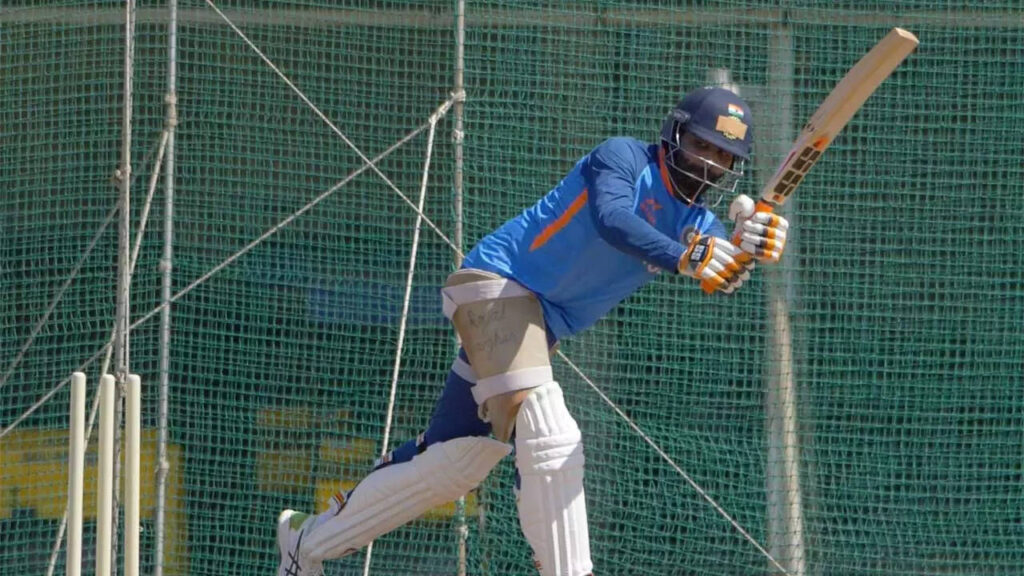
631	234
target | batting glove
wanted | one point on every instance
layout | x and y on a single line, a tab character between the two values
761	234
713	260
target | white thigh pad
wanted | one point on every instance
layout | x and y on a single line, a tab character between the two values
399	493
552	507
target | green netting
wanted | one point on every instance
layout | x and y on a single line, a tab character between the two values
901	285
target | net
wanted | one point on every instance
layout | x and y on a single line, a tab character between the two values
900	287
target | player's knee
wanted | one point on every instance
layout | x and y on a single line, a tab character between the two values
502	410
551	503
547	436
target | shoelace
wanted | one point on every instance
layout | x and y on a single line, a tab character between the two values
294	569
293	555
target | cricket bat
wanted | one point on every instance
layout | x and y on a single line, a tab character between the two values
829	119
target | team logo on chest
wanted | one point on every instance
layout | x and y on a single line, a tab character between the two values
649	207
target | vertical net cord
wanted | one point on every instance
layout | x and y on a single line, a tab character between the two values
166	268
122	340
458	88
404	320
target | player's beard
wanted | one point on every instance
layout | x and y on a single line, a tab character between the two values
688	188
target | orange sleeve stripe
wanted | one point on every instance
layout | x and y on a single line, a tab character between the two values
551	229
663	170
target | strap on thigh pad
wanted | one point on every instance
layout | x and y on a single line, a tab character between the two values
394	495
551	502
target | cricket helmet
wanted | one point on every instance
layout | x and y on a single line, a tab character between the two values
717	116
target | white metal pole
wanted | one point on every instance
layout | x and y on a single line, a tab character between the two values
76	474
785	514
122	317
166	267
457	134
459	87
124	205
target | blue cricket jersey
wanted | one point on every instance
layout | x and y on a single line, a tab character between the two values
603	232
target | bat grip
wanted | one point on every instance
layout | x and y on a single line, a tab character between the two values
761	206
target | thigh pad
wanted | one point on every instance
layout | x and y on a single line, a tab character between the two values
501	325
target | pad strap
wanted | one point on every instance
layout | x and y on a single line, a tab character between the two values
463	370
485	388
510	382
453	296
500	384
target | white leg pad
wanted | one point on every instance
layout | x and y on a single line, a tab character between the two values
399	493
552	507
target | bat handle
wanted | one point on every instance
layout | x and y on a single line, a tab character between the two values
742	208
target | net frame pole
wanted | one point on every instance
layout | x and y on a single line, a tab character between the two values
458	111
458	87
124	273
531	17
166	271
784	498
121	351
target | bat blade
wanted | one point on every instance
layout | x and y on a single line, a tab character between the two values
836	111
829	119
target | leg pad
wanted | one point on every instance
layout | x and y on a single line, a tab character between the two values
551	503
397	494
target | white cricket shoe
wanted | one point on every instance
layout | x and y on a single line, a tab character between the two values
291	527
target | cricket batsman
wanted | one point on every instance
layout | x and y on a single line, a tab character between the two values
626	211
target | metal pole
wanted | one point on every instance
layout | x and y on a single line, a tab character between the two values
171	122
532	15
785	514
457	134
121	352
122	315
458	87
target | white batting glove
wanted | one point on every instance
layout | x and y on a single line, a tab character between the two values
761	234
746	264
712	260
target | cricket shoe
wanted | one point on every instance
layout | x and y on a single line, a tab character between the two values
291	527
